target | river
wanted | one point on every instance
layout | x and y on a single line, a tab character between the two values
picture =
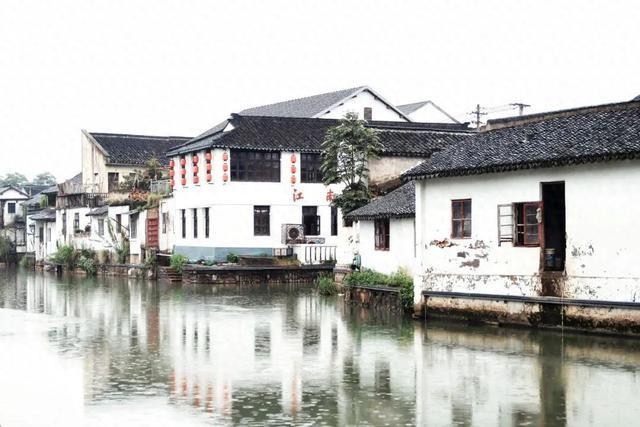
117	352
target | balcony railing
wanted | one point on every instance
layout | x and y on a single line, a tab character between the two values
160	186
82	200
316	254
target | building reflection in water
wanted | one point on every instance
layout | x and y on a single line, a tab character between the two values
269	354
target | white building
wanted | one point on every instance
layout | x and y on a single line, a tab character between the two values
535	206
428	112
254	183
385	237
12	218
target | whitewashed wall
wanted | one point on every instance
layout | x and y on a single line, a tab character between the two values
602	201
167	231
380	110
12	196
48	246
401	253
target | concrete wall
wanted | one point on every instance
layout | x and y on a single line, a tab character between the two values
49	244
381	111
601	233
95	170
387	168
401	253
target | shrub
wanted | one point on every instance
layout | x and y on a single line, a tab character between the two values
151	260
232	258
326	285
26	262
122	251
103	257
87	264
399	279
178	262
65	255
6	247
367	278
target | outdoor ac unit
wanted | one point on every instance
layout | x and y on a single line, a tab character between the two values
292	234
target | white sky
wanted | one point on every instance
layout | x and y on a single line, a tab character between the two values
178	67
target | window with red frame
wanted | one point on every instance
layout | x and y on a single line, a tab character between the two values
381	231
461	219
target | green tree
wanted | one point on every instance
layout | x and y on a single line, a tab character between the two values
346	151
45	178
16	179
141	179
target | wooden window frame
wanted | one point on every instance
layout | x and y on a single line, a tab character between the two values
11	208
311	168
334	221
367	113
462	219
255	166
183	220
206	223
313	219
261	220
382	234
522	222
195	222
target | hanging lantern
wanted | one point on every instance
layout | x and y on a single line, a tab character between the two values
183	162
172	183
225	167
209	177
293	169
208	155
225	156
225	177
195	160
208	167
195	169
183	172
184	181
172	173
196	180
293	158
172	163
293	179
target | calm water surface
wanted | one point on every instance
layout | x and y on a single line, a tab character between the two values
117	352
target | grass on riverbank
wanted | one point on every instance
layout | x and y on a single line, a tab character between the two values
399	279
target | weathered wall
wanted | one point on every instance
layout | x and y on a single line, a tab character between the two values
386	299
95	170
386	168
601	235
401	253
253	275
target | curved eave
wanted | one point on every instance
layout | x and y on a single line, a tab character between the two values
509	167
373	217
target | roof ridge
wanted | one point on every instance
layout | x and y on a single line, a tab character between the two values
108	134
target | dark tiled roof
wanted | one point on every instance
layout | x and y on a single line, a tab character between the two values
47	214
313	106
309	106
306	135
637	98
135	149
410	108
590	134
11	187
400	203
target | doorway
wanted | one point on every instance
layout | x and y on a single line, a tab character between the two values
554	224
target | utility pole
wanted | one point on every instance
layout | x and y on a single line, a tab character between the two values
520	106
478	112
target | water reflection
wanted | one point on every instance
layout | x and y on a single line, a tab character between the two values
119	351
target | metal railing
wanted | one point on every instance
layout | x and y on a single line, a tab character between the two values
319	254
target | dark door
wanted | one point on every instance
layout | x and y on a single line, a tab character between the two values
554	241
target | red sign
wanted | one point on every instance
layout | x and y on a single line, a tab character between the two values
297	195
330	196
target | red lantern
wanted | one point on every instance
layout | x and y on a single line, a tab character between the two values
293	158
209	177
225	167
208	155
171	163
293	169
208	167
293	179
183	161
183	172
225	177
195	160
196	180
225	156
195	169
184	181
172	173
172	183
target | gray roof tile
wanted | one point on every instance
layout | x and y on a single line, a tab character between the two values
123	149
400	203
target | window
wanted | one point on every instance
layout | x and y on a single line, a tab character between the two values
183	224
101	227
520	223
76	221
368	113
261	221
311	220
64	225
165	222
195	223
381	231
48	234
113	178
118	223
11	207
206	223
310	170
134	226
256	166
41	234
334	221
461	219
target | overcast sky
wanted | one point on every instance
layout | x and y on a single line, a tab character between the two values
178	67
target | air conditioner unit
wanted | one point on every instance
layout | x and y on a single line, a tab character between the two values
292	234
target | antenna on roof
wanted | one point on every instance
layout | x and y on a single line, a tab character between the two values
478	112
483	111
